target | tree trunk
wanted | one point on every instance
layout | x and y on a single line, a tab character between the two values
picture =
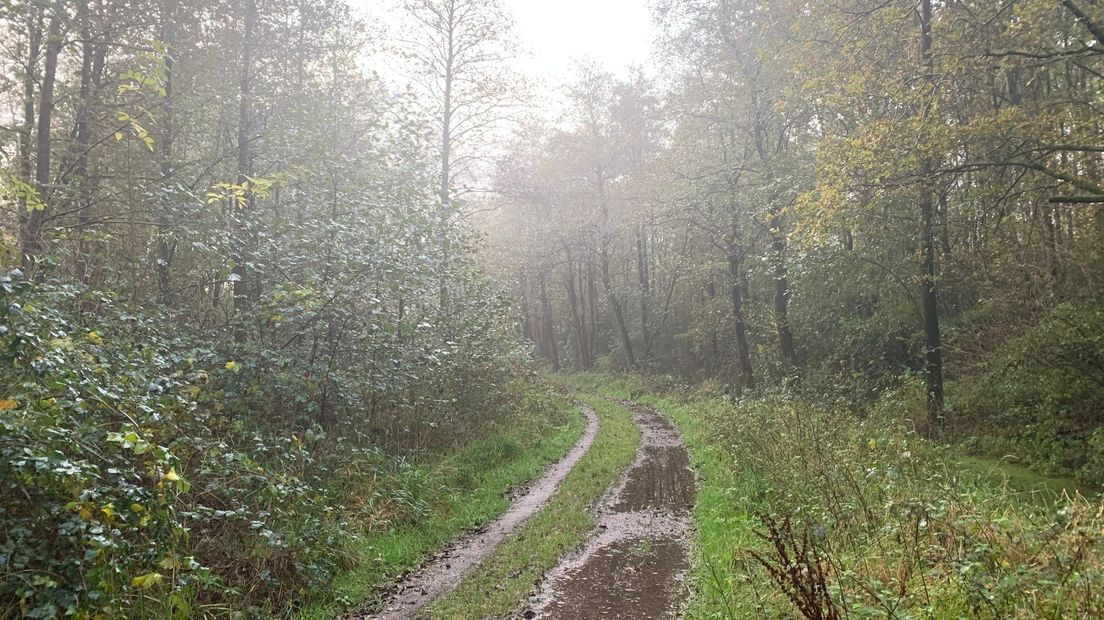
92	61
604	263
241	212
549	330
444	189
782	296
933	350
618	312
644	279
32	241
578	317
746	378
166	249
592	303
26	135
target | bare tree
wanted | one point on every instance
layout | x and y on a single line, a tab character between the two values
458	49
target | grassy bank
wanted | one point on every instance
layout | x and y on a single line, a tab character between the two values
805	507
496	587
466	490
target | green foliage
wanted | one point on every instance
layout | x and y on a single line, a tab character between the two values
903	530
146	471
1039	397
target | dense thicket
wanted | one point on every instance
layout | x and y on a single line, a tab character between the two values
847	195
235	286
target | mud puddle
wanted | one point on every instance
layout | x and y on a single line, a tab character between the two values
636	562
443	572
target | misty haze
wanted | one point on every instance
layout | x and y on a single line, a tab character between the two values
574	310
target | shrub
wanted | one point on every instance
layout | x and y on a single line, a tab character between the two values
1041	396
890	523
148	469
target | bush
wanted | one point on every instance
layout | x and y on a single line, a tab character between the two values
902	528
1041	396
147	470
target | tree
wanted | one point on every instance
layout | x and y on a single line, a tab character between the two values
457	49
32	242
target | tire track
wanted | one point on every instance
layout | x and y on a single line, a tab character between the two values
444	571
635	563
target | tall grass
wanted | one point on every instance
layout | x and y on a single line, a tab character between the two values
795	494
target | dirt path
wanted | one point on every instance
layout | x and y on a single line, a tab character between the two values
444	571
635	564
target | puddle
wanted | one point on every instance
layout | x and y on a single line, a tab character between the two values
635	563
664	481
628	579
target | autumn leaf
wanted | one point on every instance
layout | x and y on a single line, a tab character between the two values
146	581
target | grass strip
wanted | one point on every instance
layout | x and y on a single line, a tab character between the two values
496	587
998	472
383	556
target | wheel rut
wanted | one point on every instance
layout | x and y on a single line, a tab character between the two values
443	572
636	562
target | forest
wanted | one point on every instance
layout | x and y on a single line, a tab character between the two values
351	309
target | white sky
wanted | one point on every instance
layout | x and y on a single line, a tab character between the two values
554	34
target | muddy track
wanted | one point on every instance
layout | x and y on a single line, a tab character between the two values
635	563
443	572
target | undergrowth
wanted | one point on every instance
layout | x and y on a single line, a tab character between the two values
147	470
809	511
470	491
1038	397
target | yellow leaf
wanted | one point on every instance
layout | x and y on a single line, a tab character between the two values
8	404
871	444
118	136
146	581
108	511
172	476
136	507
64	344
169	563
232	366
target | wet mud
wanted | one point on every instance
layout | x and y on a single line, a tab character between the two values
443	572
636	562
